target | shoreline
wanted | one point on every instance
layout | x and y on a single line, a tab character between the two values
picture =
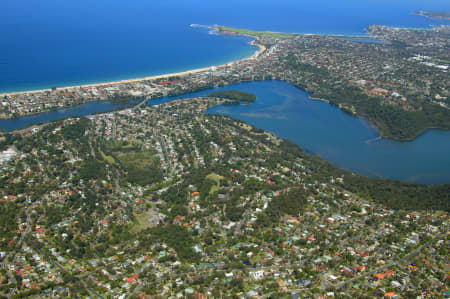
135	80
254	42
319	99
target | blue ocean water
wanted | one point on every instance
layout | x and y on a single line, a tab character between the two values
50	43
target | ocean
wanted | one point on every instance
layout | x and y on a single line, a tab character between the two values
51	43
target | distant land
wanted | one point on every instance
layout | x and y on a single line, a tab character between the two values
437	15
252	33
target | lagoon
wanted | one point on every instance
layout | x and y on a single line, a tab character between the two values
85	109
318	127
344	140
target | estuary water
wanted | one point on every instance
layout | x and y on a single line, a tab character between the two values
344	140
85	109
316	126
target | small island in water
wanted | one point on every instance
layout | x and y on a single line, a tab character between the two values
438	15
235	96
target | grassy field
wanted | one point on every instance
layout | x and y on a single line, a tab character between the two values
108	159
216	178
142	167
139	160
267	34
142	222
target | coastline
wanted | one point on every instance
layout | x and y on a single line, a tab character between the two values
261	49
122	83
335	35
319	99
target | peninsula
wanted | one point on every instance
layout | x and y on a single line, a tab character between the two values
401	86
235	96
438	15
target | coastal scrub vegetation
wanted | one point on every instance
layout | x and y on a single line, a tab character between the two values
292	203
8	224
174	236
259	34
393	122
142	167
235	95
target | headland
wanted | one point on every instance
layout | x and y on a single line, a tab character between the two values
437	15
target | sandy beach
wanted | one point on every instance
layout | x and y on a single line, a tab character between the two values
134	80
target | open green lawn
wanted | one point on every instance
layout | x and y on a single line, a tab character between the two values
139	160
142	222
141	166
108	159
216	178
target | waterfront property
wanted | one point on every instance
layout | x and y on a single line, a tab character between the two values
319	128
